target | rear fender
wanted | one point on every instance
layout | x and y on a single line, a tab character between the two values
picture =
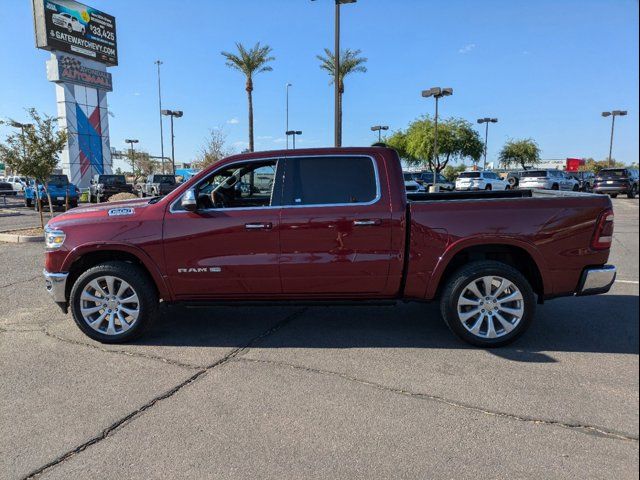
457	247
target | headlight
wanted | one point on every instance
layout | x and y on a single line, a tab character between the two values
53	239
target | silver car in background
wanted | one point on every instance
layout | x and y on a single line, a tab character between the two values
548	180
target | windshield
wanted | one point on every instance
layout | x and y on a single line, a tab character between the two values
470	175
534	173
164	179
112	179
618	172
58	180
409	176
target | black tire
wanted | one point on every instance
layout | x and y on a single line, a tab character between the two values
455	287
28	202
633	192
488	188
73	204
555	187
613	195
576	188
139	282
92	199
513	181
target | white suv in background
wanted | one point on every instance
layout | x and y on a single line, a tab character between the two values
548	180
483	180
17	183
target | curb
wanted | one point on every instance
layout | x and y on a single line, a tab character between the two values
13	238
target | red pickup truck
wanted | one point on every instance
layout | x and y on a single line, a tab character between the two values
322	226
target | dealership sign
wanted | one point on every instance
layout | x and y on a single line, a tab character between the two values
72	27
67	69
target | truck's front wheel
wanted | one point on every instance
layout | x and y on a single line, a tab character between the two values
488	303
113	302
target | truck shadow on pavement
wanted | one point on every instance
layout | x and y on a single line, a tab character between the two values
604	324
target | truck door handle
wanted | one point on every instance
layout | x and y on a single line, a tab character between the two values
258	226
365	223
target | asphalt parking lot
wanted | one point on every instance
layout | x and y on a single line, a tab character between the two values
319	392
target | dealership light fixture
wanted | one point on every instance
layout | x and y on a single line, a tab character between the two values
437	93
337	125
293	133
486	121
613	114
131	142
379	129
173	114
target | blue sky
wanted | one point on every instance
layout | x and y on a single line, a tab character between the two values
546	69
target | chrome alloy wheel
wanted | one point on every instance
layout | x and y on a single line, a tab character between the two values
490	307
109	305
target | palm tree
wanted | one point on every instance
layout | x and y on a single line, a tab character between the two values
350	62
250	62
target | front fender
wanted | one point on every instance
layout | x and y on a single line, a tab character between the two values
151	266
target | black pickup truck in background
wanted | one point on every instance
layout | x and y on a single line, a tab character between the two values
104	186
158	185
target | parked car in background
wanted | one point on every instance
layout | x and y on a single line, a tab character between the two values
59	188
105	186
6	189
615	181
17	182
586	180
513	178
426	180
481	180
158	185
548	180
413	186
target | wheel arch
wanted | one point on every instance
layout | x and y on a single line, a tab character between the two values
517	254
84	257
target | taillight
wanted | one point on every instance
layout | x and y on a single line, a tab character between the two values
603	236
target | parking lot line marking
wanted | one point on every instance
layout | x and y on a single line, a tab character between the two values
631	282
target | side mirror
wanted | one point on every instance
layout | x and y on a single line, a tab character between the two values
188	201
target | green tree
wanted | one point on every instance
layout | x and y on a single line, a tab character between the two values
451	173
350	62
250	62
595	166
457	141
524	152
214	150
35	153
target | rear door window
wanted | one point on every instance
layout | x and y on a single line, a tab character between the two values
330	181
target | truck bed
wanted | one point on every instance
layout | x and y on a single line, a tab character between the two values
553	228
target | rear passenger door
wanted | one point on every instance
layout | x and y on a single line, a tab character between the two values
335	230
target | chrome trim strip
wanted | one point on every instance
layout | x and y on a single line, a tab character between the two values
319	205
55	284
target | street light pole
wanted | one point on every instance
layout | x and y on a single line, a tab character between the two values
486	121
22	127
158	63
437	93
287	113
379	129
131	142
294	133
172	114
613	114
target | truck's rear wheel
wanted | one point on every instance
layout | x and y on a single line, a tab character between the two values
113	302
633	192
488	303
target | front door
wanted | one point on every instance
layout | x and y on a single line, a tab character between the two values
335	231
229	247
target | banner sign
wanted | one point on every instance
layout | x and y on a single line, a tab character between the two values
70	70
72	27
